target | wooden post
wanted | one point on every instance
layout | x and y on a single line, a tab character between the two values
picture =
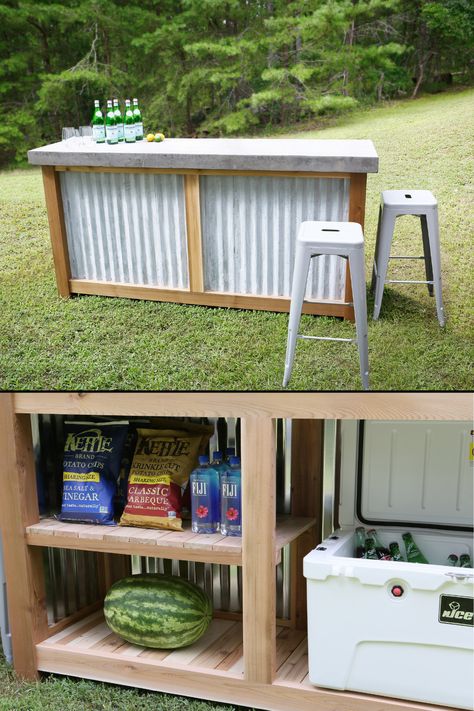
306	500
258	548
193	233
57	229
357	190
23	565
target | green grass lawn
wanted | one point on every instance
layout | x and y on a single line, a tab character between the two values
56	693
102	343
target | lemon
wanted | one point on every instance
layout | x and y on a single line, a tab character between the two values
159	137
150	137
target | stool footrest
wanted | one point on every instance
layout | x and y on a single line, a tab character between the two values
406	256
325	338
406	281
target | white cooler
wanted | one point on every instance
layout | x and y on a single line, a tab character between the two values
394	628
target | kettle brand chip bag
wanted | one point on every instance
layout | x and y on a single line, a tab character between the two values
91	465
161	465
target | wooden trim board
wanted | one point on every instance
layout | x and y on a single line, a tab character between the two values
204	298
23	566
193	233
332	405
57	229
199	171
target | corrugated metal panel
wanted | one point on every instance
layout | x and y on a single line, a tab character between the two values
126	227
249	228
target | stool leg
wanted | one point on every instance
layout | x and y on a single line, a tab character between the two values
376	253
433	236
385	243
356	263
298	288
427	253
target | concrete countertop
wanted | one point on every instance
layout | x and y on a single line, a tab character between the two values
284	154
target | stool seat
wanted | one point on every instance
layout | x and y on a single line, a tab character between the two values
315	239
331	235
408	198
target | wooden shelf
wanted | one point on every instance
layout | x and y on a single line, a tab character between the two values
211	668
178	545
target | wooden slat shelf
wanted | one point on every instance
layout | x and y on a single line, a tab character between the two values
178	545
211	668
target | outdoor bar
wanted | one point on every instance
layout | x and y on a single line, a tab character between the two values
201	221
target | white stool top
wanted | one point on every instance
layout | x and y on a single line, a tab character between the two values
408	198
335	235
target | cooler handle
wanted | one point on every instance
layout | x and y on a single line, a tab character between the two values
459	576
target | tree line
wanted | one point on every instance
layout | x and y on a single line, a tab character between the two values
220	67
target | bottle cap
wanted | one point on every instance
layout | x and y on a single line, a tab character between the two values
203	459
217	456
234	461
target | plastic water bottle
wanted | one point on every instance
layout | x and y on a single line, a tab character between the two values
204	482
231	499
219	464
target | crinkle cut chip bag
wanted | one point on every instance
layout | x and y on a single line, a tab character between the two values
161	466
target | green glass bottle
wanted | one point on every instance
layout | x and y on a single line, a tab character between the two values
129	123
465	561
111	129
395	551
98	125
370	551
452	559
119	120
360	542
414	555
138	121
382	552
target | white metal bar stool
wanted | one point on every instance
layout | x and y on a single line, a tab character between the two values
408	202
344	239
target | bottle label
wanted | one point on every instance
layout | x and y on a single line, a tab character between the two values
129	132
203	502
139	130
231	504
121	132
112	133
98	133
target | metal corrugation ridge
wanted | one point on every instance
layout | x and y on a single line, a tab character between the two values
126	227
249	228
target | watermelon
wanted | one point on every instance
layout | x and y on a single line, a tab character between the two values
161	611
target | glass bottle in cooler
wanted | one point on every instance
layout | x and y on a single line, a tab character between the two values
465	561
360	542
231	499
204	482
98	124
111	129
138	121
414	555
129	123
382	552
395	552
370	551
119	120
452	559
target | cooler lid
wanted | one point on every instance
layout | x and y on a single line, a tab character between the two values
407	473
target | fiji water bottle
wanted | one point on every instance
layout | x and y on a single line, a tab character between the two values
204	482
229	452
219	464
231	509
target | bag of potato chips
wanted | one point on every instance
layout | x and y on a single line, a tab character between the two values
162	463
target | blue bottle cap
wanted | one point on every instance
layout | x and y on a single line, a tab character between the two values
203	459
234	461
217	456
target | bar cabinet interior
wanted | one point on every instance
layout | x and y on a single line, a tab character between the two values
255	658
